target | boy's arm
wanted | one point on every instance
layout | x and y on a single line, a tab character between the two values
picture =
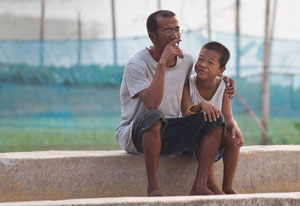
185	100
232	126
210	112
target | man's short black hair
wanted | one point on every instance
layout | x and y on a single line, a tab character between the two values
220	49
151	21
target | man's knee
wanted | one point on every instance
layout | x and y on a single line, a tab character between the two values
156	127
153	120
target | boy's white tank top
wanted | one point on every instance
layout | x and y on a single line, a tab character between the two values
196	98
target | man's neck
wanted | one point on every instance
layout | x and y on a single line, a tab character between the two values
155	53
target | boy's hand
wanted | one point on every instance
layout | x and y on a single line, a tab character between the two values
236	133
230	86
210	112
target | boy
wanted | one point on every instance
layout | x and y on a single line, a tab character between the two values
205	93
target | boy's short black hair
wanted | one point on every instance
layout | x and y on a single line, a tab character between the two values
220	49
151	21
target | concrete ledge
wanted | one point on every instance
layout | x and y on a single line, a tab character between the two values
278	199
58	175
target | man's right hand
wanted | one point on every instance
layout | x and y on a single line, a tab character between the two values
170	52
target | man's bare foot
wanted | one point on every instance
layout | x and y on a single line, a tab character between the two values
154	191
198	191
230	191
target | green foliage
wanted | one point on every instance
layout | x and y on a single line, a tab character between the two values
297	126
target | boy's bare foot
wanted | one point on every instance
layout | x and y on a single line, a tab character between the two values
230	191
216	190
198	191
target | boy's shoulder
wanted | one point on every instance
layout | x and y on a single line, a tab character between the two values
222	82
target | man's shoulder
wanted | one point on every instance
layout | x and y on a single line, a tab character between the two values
139	57
140	62
187	60
188	55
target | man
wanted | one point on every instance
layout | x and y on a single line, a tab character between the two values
151	93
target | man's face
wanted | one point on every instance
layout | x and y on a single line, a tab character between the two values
208	65
168	30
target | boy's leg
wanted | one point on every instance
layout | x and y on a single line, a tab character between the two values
207	150
230	161
211	182
176	134
181	133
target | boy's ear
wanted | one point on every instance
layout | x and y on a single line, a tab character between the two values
221	70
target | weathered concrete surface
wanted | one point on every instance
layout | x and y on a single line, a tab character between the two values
278	199
57	175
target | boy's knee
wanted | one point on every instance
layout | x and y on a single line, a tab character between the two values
218	131
219	121
231	142
218	126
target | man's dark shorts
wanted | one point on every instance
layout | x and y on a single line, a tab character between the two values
176	133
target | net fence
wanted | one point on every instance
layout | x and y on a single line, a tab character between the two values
64	94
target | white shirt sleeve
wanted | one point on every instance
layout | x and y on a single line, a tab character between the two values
136	77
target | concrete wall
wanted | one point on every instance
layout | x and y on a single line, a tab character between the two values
268	199
56	175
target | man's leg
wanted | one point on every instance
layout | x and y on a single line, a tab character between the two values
146	135
151	146
207	150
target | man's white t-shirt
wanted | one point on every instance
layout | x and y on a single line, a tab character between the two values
196	98
138	75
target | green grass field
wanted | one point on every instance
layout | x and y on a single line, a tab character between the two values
42	134
32	134
281	130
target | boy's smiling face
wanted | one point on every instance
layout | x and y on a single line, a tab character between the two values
208	65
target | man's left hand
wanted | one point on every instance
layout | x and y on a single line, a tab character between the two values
230	86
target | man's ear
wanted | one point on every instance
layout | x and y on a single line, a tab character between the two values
152	36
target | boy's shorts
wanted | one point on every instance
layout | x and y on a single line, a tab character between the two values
192	151
176	133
